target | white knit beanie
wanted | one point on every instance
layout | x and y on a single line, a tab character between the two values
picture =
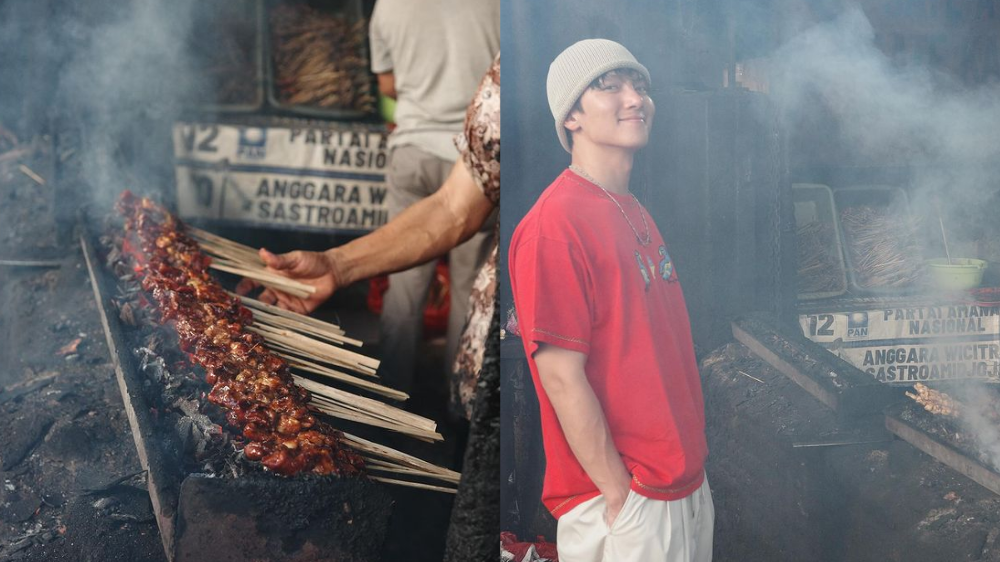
575	68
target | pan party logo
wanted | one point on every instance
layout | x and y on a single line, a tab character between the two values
857	325
253	143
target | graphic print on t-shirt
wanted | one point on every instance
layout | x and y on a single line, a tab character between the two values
664	270
642	268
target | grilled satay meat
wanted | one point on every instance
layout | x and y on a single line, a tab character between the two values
254	385
935	401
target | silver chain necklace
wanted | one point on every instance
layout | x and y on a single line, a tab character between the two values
642	241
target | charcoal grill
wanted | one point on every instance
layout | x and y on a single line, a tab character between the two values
258	517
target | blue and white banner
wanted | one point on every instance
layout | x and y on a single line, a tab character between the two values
323	179
913	344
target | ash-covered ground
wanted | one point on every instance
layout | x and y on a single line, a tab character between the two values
793	482
72	486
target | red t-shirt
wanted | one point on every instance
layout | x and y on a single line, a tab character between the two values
583	282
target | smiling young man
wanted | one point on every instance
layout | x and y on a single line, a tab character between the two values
607	333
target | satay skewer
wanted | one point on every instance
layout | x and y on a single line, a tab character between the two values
317	369
266	278
413	484
314	349
349	415
388	453
279	322
278	311
366	405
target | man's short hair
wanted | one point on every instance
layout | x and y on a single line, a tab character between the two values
575	70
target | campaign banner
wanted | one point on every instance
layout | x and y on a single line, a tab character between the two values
913	344
911	363
320	179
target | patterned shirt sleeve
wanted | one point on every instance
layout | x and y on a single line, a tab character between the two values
479	142
479	146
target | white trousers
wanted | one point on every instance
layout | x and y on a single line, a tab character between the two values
646	530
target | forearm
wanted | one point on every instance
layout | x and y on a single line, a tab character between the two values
586	429
424	231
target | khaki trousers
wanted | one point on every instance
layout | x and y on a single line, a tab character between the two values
646	530
413	175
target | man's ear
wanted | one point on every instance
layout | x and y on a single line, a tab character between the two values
571	122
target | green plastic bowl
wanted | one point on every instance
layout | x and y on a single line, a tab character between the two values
960	274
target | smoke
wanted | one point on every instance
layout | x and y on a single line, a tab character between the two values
888	112
129	82
891	111
119	73
980	418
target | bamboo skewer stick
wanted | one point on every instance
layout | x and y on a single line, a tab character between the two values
347	414
318	350
384	452
215	244
322	347
945	238
376	462
374	466
306	364
368	385
278	311
287	348
413	484
304	329
266	278
336	406
289	351
307	329
237	258
221	252
231	255
31	174
30	263
368	405
221	241
16	153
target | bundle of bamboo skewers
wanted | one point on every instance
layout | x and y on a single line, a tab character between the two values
233	257
316	347
318	58
819	269
884	248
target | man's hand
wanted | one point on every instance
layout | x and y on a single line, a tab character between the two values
614	501
312	268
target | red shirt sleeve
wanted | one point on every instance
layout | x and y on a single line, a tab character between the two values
551	291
